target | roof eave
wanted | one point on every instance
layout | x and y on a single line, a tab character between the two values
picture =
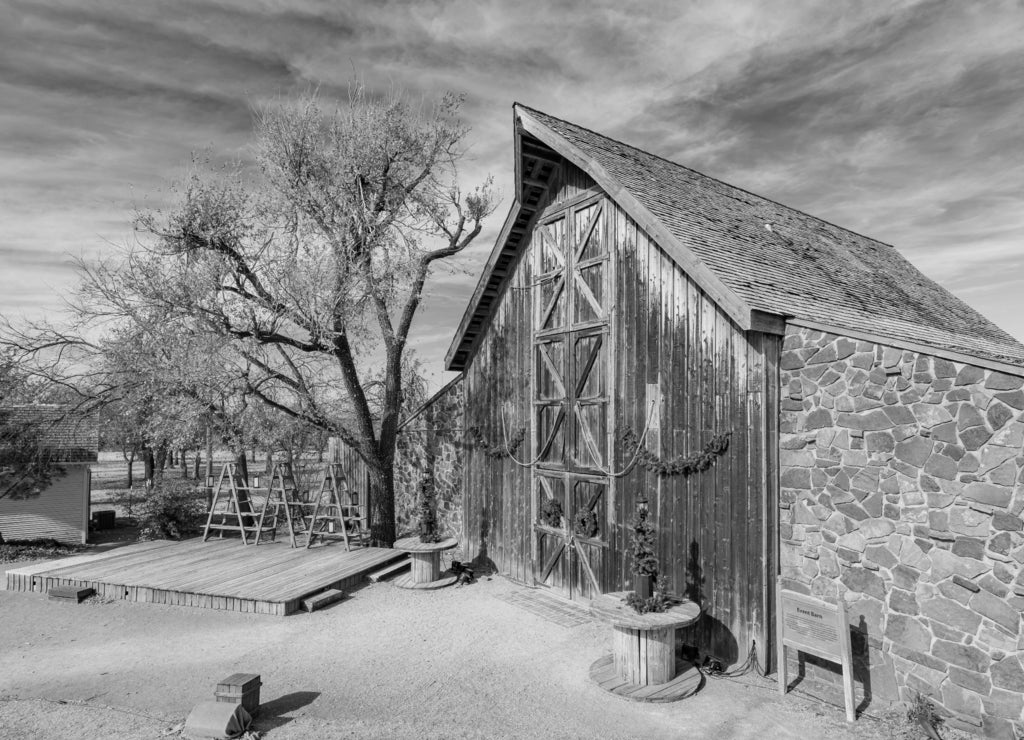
948	353
451	361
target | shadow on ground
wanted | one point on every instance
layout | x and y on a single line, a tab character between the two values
273	714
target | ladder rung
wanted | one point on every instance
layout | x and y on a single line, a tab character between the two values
235	527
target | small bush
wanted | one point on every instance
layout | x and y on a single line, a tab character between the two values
15	551
658	602
127	500
172	509
921	712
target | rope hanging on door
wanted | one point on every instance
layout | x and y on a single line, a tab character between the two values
640	443
510	448
680	465
511	456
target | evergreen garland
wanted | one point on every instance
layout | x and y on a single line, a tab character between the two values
680	465
475	438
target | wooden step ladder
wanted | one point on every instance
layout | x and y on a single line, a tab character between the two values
232	505
283	495
335	511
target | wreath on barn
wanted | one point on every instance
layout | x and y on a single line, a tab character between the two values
551	513
584	523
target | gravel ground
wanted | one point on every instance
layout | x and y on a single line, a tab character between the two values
383	663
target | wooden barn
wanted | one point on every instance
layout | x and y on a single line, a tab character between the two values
861	401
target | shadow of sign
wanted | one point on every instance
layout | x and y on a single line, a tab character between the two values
826	675
273	714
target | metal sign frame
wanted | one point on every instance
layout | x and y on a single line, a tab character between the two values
816	627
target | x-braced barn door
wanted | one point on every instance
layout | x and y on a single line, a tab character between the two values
571	378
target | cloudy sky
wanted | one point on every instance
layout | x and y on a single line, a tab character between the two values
900	120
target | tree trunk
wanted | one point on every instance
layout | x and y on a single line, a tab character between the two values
131	468
270	463
149	465
195	467
382	506
242	465
161	458
209	452
183	461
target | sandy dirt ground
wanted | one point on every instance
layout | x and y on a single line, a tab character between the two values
383	663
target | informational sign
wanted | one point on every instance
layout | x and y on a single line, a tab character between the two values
816	627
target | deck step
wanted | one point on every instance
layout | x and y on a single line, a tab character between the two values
70	593
322	599
389	570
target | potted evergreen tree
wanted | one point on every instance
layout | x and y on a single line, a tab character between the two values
645	557
428	508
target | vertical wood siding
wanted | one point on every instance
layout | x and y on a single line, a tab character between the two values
716	531
497	387
498	501
60	512
713	378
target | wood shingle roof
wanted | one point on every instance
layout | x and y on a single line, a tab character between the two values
64	436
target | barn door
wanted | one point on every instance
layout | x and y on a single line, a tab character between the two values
571	381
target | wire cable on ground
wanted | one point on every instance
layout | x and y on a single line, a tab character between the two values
172	726
712	668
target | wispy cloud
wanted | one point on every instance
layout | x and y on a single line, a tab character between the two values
898	120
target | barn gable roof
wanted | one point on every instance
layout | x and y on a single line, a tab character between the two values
755	258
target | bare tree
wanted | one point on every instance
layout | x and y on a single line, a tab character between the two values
296	283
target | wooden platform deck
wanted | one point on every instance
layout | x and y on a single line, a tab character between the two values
270	578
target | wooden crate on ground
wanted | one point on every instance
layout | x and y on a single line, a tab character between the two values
241	688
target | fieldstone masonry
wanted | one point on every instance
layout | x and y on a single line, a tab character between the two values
433	437
902	489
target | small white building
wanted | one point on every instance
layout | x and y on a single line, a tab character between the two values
59	508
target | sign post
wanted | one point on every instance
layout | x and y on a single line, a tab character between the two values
816	627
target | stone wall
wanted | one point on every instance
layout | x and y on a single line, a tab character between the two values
902	488
432	438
